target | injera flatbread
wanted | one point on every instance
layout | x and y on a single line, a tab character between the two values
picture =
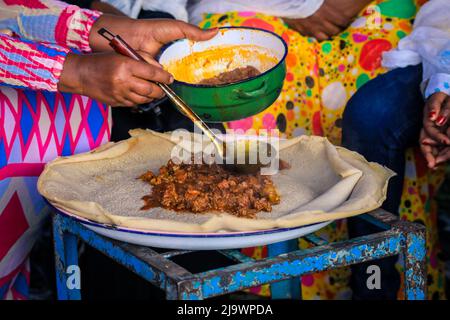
324	183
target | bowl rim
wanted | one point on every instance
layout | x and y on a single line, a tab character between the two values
236	82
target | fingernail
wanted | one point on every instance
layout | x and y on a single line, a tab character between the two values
171	79
431	115
441	120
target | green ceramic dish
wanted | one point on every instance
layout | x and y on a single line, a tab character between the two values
236	100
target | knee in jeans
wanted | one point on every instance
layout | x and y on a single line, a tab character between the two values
361	116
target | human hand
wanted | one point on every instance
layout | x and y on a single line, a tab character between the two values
113	79
146	35
434	152
435	134
438	106
331	18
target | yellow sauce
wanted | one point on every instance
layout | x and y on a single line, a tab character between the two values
212	62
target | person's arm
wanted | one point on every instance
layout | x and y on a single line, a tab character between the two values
293	9
429	44
430	40
49	21
330	18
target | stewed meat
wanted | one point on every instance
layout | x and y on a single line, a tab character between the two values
203	188
235	75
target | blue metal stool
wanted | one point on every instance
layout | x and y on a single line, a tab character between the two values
285	264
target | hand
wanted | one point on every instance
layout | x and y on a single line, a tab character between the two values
113	79
435	134
439	108
146	35
434	153
331	18
436	114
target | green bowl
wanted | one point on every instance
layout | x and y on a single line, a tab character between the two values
238	100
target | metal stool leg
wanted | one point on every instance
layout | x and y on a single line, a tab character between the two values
414	256
287	289
66	261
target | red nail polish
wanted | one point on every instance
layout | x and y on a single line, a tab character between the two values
431	115
441	120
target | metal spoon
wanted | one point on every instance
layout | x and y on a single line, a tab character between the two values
121	47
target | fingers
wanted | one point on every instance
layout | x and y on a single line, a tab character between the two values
434	104
434	133
149	58
150	72
443	156
318	27
429	142
171	30
330	29
195	33
126	103
427	150
137	99
146	89
321	36
335	16
442	119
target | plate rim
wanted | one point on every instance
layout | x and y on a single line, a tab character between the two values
179	235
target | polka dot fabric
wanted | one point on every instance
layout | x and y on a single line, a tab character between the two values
320	79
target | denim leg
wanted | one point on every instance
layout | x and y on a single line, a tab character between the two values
380	122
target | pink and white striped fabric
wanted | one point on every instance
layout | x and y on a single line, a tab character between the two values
43	31
37	124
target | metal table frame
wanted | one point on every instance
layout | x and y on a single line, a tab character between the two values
285	264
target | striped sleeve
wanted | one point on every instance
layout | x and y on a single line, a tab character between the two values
32	65
48	21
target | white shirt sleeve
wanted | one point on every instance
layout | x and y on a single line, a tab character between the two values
132	8
278	8
129	7
176	8
429	44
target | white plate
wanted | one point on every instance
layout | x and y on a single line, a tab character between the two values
197	241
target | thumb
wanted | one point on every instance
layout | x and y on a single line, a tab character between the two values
149	58
195	33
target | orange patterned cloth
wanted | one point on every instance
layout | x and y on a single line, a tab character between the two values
321	78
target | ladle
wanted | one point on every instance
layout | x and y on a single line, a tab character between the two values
120	46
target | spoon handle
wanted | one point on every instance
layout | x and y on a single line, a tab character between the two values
120	46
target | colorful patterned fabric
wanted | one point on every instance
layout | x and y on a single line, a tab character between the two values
37	126
321	78
57	27
48	21
27	64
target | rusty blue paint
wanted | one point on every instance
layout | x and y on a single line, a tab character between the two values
401	237
415	259
66	254
300	262
107	247
287	289
417	248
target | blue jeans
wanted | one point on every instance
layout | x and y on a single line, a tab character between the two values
381	121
